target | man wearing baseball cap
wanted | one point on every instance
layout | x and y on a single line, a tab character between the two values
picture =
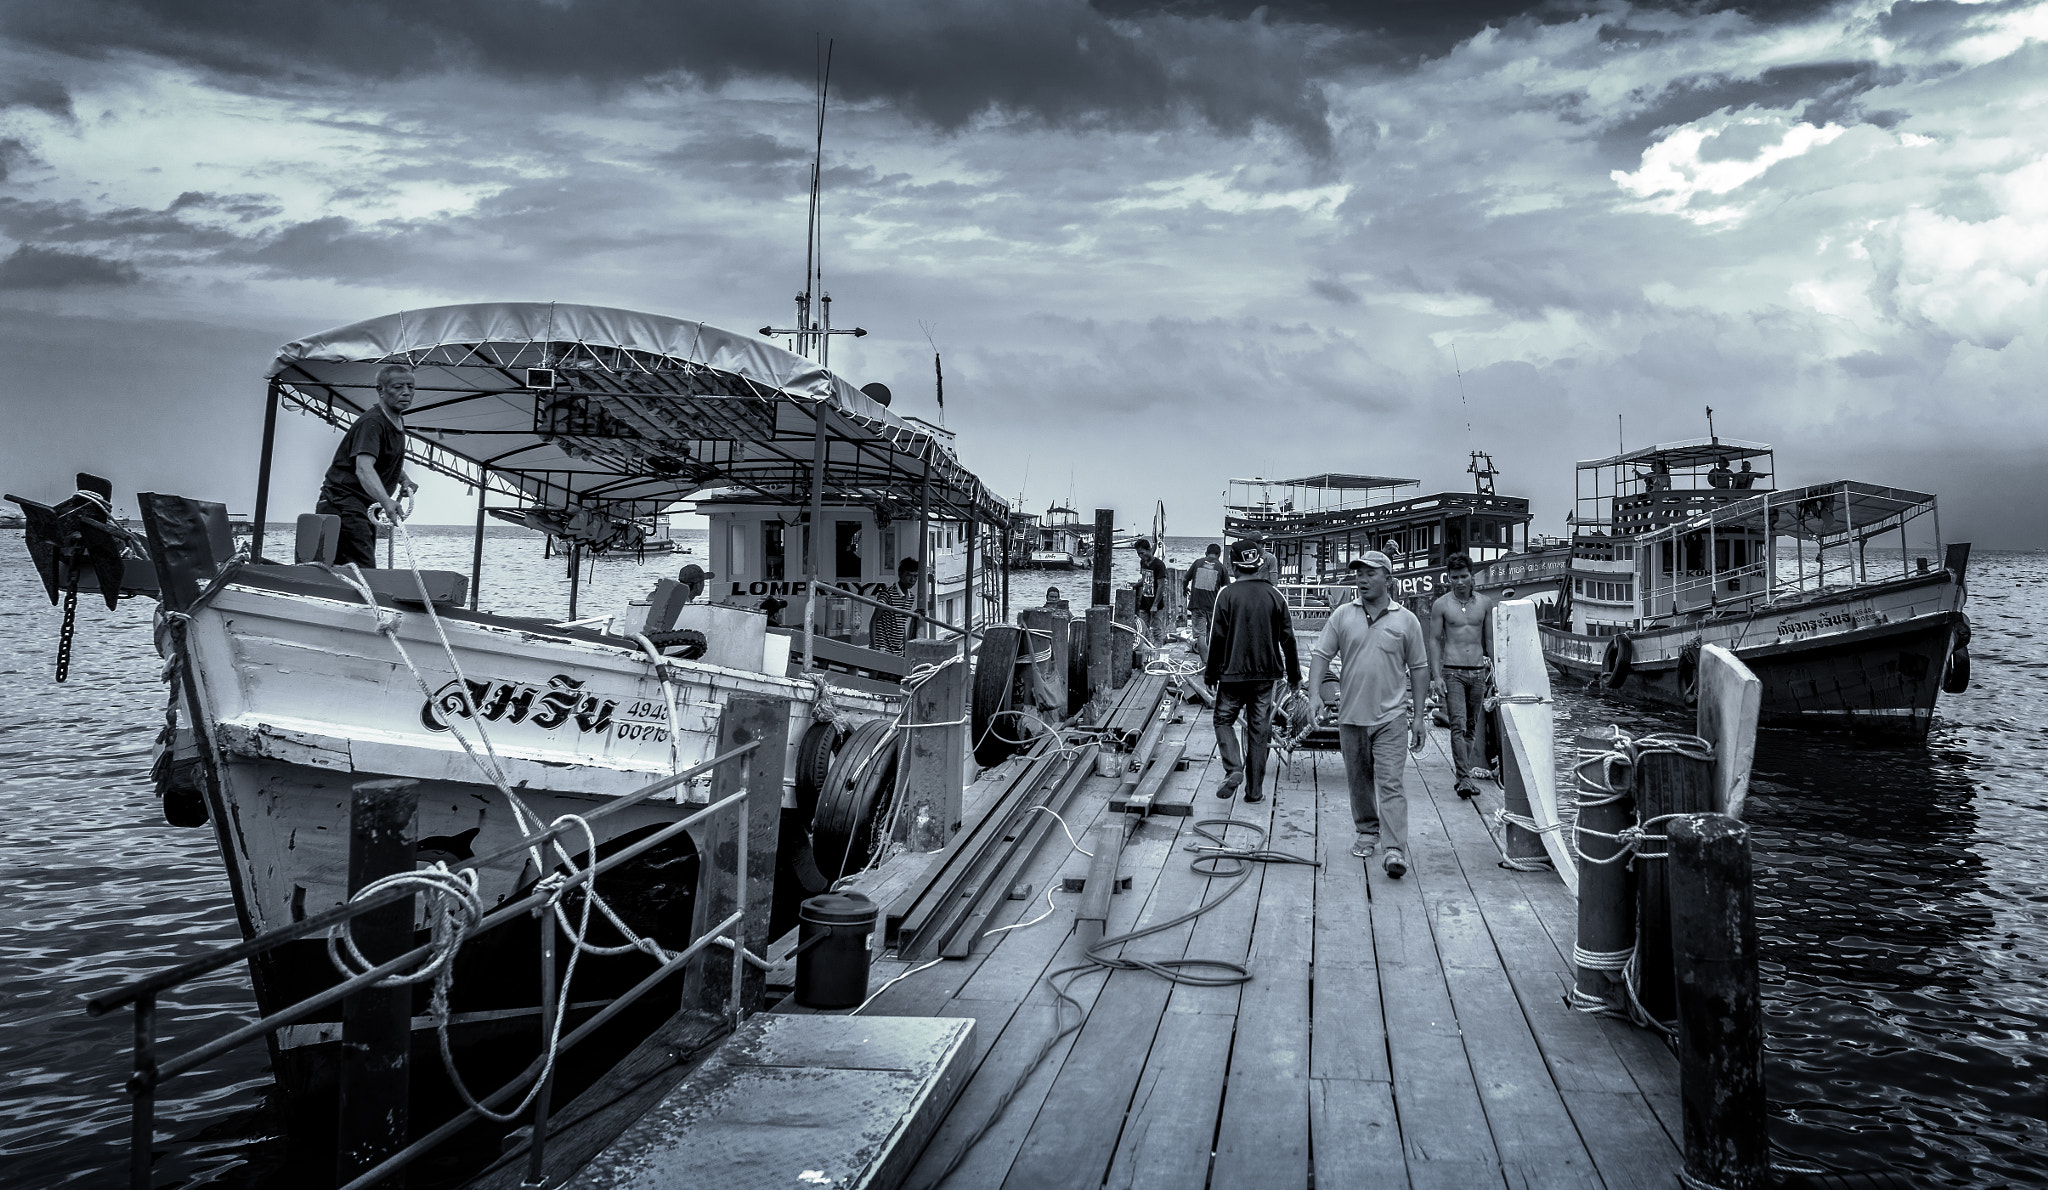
1379	705
1251	646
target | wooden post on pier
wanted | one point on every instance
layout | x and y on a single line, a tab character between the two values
1105	533
1047	632
376	1023
720	865
1720	1011
930	784
1607	893
1099	634
1123	641
1666	782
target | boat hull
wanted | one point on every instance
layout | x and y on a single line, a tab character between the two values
303	697
1868	661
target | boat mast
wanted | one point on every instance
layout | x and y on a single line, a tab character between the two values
812	334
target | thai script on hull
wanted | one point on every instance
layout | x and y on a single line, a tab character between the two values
548	707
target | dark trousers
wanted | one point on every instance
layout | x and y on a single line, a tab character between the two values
1254	701
1465	706
358	540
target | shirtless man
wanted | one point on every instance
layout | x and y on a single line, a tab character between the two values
1460	641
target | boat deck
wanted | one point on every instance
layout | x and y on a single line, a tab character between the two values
1396	1033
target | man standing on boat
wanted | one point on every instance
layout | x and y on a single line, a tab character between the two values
887	630
368	467
1460	663
1151	590
1204	578
1379	705
1251	648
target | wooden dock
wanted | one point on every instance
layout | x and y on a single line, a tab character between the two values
1395	1033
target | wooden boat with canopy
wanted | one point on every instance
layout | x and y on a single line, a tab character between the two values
297	680
1830	593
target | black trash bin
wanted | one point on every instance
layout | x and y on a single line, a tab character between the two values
833	930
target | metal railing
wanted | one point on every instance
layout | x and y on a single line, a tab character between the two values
150	1074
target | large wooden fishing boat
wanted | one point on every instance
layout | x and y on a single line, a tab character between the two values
1673	550
297	681
1313	526
1056	541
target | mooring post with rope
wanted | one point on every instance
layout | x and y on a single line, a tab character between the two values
1123	640
935	754
376	1022
1720	1009
740	860
1046	639
1673	775
1607	893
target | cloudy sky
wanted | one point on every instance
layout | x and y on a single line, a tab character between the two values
1160	244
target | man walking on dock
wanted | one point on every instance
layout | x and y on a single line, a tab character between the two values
1460	663
1205	577
1250	648
1379	705
369	468
1151	591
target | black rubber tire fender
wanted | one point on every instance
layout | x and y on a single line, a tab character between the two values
1619	660
813	763
995	678
1955	674
1077	664
835	824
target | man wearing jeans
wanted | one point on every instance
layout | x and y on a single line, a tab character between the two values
1379	705
1460	666
1251	647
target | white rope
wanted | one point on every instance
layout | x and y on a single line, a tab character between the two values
892	983
668	694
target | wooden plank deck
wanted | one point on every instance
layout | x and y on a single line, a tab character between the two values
1395	1033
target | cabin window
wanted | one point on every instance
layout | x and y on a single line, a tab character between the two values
1721	553
774	564
736	550
846	550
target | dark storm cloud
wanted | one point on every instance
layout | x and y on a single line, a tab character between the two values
1060	62
46	95
1829	91
31	267
136	228
13	155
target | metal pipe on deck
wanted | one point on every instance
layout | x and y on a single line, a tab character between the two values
263	474
476	553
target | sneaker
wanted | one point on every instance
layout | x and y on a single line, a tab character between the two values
1468	789
1396	866
1230	783
1365	846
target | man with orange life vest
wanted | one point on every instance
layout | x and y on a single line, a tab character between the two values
368	467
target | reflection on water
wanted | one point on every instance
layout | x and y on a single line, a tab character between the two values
1902	898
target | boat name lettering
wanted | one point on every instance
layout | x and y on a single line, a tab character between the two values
547	708
795	587
1836	620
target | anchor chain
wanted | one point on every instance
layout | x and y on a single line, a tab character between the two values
65	633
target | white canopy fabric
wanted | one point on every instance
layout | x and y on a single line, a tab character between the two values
644	410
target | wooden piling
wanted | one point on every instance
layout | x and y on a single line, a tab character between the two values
1607	893
1099	634
376	1022
1122	641
1720	1010
720	865
1105	534
1048	633
930	781
1666	782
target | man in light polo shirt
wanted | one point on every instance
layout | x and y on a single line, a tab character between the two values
1379	705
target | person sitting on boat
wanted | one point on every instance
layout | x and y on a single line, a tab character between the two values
692	578
1745	478
368	467
892	625
774	606
1719	476
1658	478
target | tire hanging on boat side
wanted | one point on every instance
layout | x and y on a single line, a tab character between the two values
1955	675
842	825
1619	659
995	677
813	763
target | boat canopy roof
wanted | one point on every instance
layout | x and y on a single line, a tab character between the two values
624	411
1692	452
1335	479
1841	510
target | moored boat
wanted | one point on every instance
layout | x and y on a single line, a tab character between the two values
1673	550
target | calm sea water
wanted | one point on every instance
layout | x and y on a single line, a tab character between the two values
1903	898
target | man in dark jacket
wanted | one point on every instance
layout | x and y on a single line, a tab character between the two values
1251	646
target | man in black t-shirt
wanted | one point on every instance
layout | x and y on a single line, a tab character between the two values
368	468
1151	590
